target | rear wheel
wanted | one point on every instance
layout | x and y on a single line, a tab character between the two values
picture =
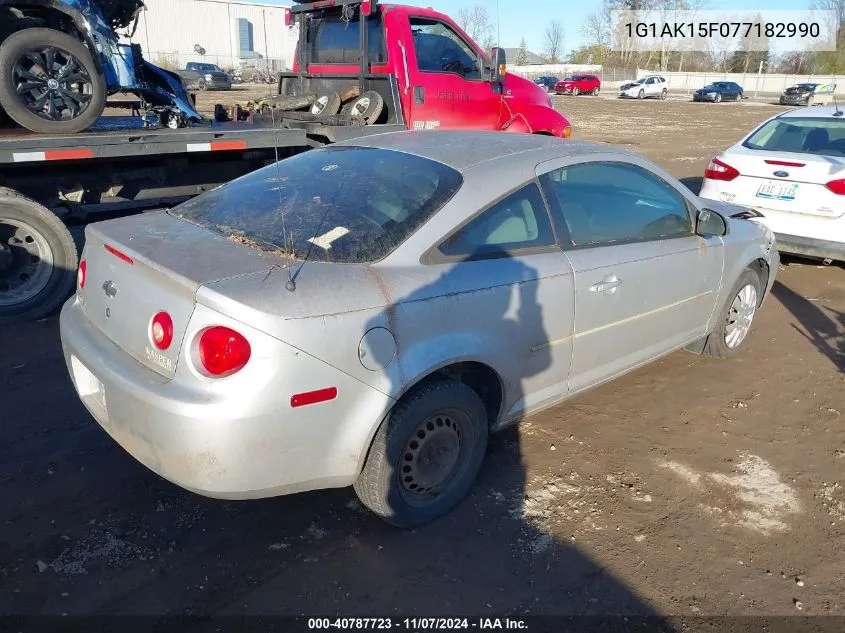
38	260
663	94
736	317
596	91
426	455
49	83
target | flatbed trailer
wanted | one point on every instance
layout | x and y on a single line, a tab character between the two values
50	184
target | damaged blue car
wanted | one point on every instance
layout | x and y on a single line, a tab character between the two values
61	59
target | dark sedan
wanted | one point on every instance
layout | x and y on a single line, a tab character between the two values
547	82
719	91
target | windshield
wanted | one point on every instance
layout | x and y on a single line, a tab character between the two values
640	81
336	204
208	67
823	137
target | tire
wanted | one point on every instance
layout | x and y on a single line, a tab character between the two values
717	98
28	230
641	94
11	52
368	106
385	489
663	94
781	101
596	91
575	91
201	85
739	96
717	344
328	103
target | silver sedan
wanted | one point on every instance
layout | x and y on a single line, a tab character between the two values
365	314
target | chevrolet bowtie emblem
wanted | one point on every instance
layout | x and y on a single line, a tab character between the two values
109	288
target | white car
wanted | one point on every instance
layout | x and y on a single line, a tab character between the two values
649	86
791	169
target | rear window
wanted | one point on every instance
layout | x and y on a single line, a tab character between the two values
823	137
335	41
337	204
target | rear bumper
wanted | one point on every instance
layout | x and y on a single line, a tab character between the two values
240	440
810	247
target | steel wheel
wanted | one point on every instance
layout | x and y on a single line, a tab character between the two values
52	83
26	262
740	316
433	456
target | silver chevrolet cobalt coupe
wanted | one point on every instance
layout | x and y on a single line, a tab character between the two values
366	314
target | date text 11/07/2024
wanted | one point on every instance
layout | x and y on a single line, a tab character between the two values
689	30
417	624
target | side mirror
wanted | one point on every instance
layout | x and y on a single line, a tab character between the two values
495	73
710	223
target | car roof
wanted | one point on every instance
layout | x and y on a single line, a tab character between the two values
463	149
816	112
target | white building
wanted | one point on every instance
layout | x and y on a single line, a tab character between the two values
229	33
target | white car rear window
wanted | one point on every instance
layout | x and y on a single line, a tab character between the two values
823	137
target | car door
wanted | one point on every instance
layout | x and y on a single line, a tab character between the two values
523	297
446	83
645	284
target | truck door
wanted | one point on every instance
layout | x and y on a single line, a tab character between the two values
447	89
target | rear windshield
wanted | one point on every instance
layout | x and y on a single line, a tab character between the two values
334	40
336	204
824	137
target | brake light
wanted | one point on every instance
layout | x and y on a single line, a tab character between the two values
366	7
717	170
81	275
837	186
161	330
288	17
118	254
222	351
784	163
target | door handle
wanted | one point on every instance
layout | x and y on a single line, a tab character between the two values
609	285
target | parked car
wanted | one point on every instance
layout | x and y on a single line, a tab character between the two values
453	283
61	59
201	76
719	91
645	87
547	82
808	94
578	84
790	169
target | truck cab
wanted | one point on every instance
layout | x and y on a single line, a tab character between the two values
428	71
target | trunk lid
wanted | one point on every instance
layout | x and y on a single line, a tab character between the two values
785	181
142	265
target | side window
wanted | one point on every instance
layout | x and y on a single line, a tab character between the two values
605	203
440	49
518	222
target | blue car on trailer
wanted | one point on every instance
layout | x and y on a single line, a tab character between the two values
60	59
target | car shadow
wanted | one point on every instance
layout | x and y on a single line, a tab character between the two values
823	327
112	538
693	183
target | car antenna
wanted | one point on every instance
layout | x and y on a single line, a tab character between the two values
290	284
836	105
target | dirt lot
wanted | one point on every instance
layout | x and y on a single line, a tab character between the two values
689	487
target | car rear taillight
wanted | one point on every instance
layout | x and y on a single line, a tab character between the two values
222	351
82	274
161	330
837	186
717	170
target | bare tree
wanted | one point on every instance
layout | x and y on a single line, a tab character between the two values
553	41
477	23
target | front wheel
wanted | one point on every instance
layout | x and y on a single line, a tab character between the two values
426	455
49	83
717	98
641	94
736	317
575	91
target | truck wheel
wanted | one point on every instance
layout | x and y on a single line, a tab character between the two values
368	106
328	103
426	455
38	259
49	83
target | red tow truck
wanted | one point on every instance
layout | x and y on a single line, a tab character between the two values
397	68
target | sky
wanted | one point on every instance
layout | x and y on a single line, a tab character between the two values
517	21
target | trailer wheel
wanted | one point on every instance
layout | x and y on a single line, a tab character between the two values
38	259
49	83
368	106
328	103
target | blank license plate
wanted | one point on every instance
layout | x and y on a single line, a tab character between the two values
776	190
